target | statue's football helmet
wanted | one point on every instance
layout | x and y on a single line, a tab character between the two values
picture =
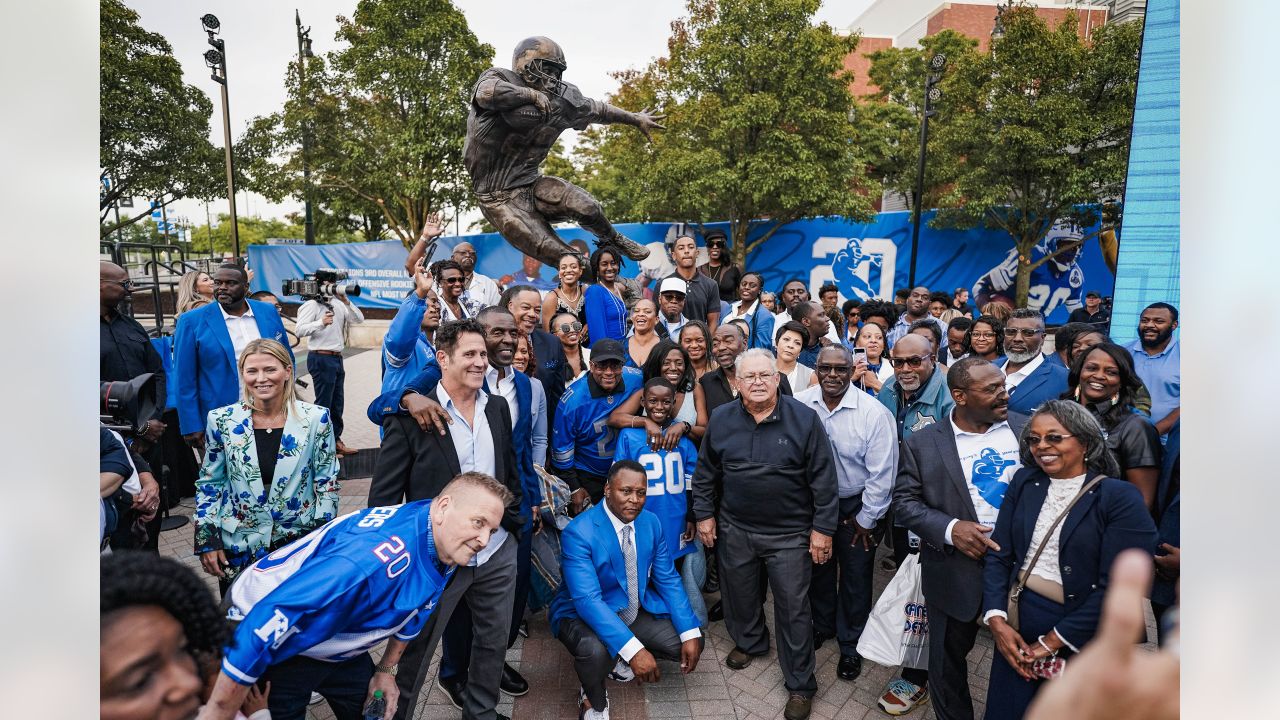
540	62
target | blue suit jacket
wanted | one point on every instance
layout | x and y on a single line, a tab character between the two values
522	435
595	578
205	361
1109	519
1048	382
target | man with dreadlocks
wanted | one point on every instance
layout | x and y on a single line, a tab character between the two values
515	117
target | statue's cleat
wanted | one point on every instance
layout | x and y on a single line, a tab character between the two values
626	246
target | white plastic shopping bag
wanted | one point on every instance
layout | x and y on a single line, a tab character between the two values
897	633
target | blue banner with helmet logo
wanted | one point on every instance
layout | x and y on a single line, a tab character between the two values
861	259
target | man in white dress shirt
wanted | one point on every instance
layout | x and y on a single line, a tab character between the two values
481	291
324	322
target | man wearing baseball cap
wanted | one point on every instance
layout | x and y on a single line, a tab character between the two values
1093	312
582	443
671	295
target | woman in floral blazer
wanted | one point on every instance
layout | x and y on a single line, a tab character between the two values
270	471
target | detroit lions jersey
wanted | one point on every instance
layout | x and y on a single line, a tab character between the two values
582	438
337	592
1049	287
669	473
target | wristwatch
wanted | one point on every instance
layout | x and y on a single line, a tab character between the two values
388	669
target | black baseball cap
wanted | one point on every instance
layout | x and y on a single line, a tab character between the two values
1093	293
607	349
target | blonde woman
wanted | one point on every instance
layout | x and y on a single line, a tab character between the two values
270	471
194	289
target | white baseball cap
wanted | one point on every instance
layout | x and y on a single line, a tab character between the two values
674	284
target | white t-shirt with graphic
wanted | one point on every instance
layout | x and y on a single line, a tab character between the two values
989	461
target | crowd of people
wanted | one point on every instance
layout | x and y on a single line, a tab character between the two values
640	458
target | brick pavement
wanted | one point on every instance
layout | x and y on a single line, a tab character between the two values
712	692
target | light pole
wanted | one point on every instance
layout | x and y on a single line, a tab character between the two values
216	59
304	52
931	95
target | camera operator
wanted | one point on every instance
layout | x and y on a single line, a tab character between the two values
125	352
324	322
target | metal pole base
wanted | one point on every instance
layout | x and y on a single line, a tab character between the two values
173	522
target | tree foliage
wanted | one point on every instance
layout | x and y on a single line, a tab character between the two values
153	128
758	131
385	116
1036	130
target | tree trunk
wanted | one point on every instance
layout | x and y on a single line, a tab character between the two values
1023	286
739	254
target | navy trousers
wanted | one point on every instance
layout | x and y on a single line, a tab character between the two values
345	685
1008	695
840	591
328	378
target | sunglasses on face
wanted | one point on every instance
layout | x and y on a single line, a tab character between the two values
911	362
126	284
570	327
715	244
451	280
1051	438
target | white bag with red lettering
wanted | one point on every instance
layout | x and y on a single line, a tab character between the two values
897	633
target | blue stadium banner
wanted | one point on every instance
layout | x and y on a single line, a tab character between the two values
862	259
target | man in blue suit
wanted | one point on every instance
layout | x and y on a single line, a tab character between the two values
602	610
1028	376
207	345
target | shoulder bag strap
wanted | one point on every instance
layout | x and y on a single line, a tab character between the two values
1024	574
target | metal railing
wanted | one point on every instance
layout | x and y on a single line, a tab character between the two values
155	270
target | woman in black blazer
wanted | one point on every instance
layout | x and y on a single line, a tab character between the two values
1063	450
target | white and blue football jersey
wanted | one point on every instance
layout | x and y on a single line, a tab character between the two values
338	591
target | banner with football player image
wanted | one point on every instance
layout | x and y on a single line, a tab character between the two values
862	259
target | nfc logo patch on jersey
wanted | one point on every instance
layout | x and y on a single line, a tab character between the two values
275	630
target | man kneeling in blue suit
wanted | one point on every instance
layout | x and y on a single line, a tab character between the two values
613	624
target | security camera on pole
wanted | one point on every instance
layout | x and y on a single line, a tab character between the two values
931	95
216	59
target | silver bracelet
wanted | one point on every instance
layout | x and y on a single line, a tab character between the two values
1052	653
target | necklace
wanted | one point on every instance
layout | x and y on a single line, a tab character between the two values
269	420
565	296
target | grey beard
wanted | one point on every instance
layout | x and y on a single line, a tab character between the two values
1020	358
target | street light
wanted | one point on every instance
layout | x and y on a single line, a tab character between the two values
932	94
216	59
997	30
304	52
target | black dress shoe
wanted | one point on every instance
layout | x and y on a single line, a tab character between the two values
849	668
453	689
716	613
513	683
819	638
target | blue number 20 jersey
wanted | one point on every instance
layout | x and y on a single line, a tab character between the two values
337	592
669	473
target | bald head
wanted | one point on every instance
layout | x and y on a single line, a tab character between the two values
112	285
913	362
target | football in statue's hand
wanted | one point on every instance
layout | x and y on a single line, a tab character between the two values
524	117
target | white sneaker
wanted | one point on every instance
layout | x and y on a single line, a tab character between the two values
585	713
622	672
315	698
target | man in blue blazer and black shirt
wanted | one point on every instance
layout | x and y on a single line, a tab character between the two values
608	617
1028	376
207	345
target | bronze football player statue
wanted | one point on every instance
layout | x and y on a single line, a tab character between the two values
515	117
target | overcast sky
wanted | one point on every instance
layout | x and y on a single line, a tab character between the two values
597	38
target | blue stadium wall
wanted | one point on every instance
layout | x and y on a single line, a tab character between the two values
1148	267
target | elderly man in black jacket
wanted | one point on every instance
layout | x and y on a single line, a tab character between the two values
951	481
764	496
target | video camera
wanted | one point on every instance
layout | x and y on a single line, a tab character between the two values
321	285
126	406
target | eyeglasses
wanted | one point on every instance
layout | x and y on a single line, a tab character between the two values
911	362
1024	332
983	335
607	364
716	244
126	284
452	280
833	369
570	327
1051	438
756	378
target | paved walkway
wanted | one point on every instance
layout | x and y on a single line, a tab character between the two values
712	692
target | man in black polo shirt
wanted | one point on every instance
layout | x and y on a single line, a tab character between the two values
727	343
702	298
1092	313
764	495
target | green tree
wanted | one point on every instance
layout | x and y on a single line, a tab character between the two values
757	105
153	128
385	116
1035	131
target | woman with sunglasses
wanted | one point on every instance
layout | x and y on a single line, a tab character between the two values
720	267
1066	562
568	294
985	339
695	338
1102	379
568	330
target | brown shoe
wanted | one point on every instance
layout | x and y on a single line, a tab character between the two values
344	450
798	707
738	659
